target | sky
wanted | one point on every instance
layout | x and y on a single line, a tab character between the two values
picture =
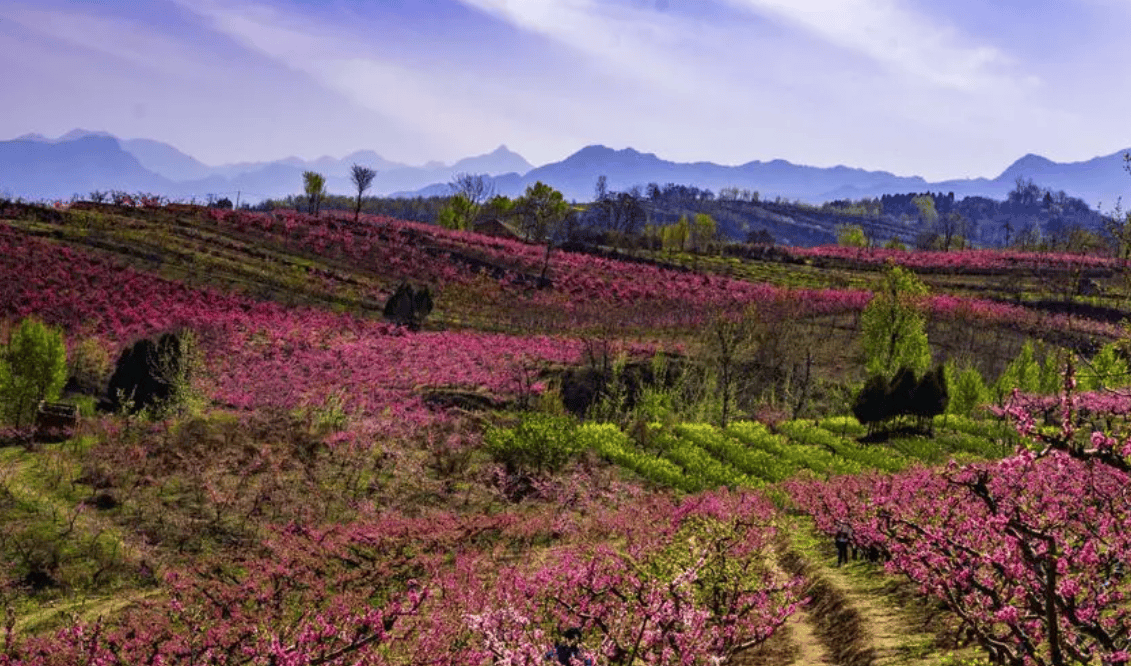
936	88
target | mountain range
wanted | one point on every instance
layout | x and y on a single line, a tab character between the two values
35	167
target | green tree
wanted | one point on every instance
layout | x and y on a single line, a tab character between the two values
542	209
499	207
33	367
894	329
969	392
477	189
928	214
703	231
362	178
675	235
458	214
851	235
1023	373
1106	370
314	185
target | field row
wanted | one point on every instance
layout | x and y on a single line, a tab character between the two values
695	457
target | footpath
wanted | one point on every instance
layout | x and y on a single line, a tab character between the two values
857	615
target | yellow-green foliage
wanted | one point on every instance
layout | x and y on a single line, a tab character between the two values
538	443
893	327
968	389
33	367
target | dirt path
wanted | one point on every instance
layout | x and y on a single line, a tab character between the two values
860	612
802	633
891	630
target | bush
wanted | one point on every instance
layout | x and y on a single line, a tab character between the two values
409	306
33	367
155	375
539	443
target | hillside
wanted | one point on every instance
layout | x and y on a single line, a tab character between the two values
328	486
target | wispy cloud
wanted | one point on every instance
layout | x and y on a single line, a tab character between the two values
942	88
894	34
132	43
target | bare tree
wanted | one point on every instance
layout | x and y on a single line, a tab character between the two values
476	188
601	189
362	178
953	224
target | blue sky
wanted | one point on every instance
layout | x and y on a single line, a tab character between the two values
942	89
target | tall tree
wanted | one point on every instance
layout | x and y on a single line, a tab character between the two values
314	184
951	225
928	214
730	339
601	189
477	189
894	328
704	231
542	208
362	178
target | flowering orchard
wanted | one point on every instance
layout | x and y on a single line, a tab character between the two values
651	581
261	354
1030	552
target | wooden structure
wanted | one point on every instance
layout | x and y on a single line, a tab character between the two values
55	420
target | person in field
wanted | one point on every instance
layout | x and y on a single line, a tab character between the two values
568	651
842	539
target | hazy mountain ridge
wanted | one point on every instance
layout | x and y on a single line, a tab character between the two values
35	167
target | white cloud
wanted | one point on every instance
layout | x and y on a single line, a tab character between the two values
131	42
894	35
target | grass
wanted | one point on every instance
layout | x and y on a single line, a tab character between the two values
907	629
49	530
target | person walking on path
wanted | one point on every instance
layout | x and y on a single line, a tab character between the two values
842	539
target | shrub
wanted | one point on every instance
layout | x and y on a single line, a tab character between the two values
409	306
539	443
970	391
33	367
154	375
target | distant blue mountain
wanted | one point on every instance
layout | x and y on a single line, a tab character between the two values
35	167
53	170
1096	181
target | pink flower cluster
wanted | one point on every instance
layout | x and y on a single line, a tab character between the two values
440	589
1028	551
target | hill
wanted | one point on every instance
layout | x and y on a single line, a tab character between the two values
325	486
